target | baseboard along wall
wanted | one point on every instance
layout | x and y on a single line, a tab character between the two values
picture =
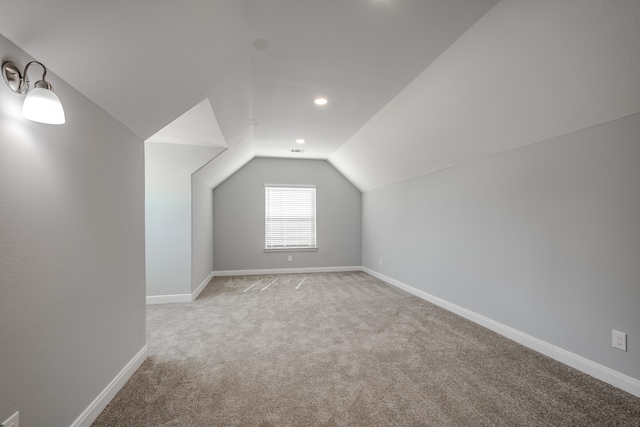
167	299
90	414
589	367
287	270
202	285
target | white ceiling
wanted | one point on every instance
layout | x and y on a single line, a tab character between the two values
198	126
413	85
146	62
526	72
356	53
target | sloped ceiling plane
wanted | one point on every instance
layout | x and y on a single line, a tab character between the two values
413	86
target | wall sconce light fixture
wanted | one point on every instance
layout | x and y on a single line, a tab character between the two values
41	104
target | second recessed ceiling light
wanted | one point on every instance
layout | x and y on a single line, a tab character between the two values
300	141
321	101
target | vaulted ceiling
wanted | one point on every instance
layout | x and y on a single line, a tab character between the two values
413	86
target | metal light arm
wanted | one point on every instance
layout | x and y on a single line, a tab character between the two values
19	82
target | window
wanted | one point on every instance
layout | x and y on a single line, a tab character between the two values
290	217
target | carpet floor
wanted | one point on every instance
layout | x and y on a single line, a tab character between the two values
336	349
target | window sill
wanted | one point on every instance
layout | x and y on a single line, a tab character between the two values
291	250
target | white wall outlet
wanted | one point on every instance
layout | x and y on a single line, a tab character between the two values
619	340
12	421
380	261
290	258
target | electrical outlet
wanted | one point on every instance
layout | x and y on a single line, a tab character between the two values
290	258
619	340
381	261
12	421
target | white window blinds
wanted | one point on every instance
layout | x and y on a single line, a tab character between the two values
290	217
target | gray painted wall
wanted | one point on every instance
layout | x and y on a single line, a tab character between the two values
72	298
202	232
168	169
544	239
238	216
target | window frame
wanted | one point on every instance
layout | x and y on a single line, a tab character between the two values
267	220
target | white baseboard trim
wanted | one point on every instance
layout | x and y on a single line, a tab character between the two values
203	285
286	270
182	298
90	414
596	370
166	299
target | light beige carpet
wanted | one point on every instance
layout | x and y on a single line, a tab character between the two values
345	349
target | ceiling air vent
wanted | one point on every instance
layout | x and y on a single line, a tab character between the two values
297	150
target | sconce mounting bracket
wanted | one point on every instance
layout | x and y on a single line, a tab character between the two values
13	78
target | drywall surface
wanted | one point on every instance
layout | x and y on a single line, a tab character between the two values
72	299
238	216
168	169
227	163
544	239
525	72
202	232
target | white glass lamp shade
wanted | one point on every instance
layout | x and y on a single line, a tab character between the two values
42	105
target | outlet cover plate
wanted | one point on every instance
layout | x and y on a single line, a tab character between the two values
12	421
619	340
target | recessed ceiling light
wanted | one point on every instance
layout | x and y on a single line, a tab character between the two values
300	141
321	101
